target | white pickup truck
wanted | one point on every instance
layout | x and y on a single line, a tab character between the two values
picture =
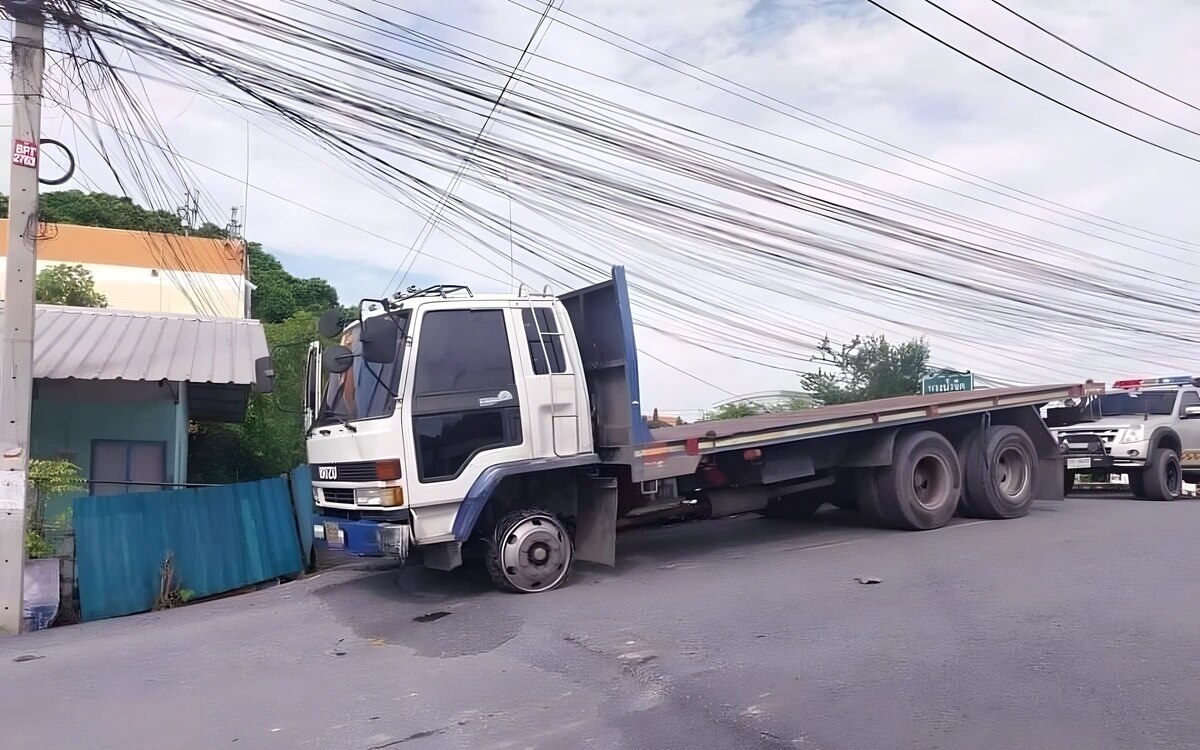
1146	428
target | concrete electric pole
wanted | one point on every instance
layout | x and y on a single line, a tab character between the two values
16	340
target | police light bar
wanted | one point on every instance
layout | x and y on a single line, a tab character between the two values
1135	383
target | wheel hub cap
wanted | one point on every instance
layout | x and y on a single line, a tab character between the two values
535	554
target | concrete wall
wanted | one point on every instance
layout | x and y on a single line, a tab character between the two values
164	290
69	414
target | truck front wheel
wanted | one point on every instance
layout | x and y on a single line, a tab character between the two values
530	551
1163	478
920	489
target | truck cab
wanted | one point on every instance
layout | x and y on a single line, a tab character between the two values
439	409
1145	428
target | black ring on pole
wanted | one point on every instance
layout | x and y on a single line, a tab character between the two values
70	162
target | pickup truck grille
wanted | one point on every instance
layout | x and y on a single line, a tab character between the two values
1083	441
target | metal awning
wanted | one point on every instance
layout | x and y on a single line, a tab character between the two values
100	344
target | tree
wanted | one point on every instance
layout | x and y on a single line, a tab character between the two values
752	408
68	285
104	210
735	410
868	368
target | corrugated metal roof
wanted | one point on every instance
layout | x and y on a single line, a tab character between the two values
101	344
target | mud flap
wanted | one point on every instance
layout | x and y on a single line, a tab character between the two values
596	521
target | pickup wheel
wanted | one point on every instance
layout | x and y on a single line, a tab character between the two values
920	490
999	480
1163	478
530	551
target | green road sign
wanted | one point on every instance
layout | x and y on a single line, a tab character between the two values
948	383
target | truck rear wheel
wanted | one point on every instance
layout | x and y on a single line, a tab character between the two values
1163	478
530	551
866	495
920	489
999	480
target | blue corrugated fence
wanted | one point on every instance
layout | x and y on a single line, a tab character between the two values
302	498
221	538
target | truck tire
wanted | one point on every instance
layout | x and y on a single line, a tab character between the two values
866	495
1068	482
1163	478
529	552
999	480
920	489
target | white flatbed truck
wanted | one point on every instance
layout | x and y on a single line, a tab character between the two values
512	425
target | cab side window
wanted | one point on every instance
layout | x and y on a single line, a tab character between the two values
1189	398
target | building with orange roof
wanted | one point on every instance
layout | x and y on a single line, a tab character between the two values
149	271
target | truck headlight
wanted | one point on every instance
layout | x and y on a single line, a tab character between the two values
1134	434
386	497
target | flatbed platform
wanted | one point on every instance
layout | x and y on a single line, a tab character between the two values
765	429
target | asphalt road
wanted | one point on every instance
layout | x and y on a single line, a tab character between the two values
1073	628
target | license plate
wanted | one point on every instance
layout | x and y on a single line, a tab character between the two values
333	535
1079	463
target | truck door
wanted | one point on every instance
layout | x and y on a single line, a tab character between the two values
465	406
550	383
1189	432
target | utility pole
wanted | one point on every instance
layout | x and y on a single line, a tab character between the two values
16	340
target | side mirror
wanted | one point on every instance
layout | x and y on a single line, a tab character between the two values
337	359
331	323
1191	412
264	375
379	337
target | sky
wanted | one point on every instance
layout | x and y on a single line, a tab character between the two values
841	60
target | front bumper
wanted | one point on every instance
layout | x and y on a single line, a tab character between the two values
1090	453
1101	463
367	535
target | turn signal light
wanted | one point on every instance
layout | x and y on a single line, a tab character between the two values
385	497
391	497
387	471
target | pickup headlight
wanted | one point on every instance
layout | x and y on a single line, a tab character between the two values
1134	434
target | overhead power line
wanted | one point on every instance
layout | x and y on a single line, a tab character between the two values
1092	57
788	109
435	216
1030	88
1058	72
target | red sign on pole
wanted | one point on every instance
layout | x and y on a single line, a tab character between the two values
25	154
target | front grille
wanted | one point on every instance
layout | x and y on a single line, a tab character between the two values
339	495
1106	438
353	471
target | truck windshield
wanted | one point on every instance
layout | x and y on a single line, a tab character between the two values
366	390
1134	402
